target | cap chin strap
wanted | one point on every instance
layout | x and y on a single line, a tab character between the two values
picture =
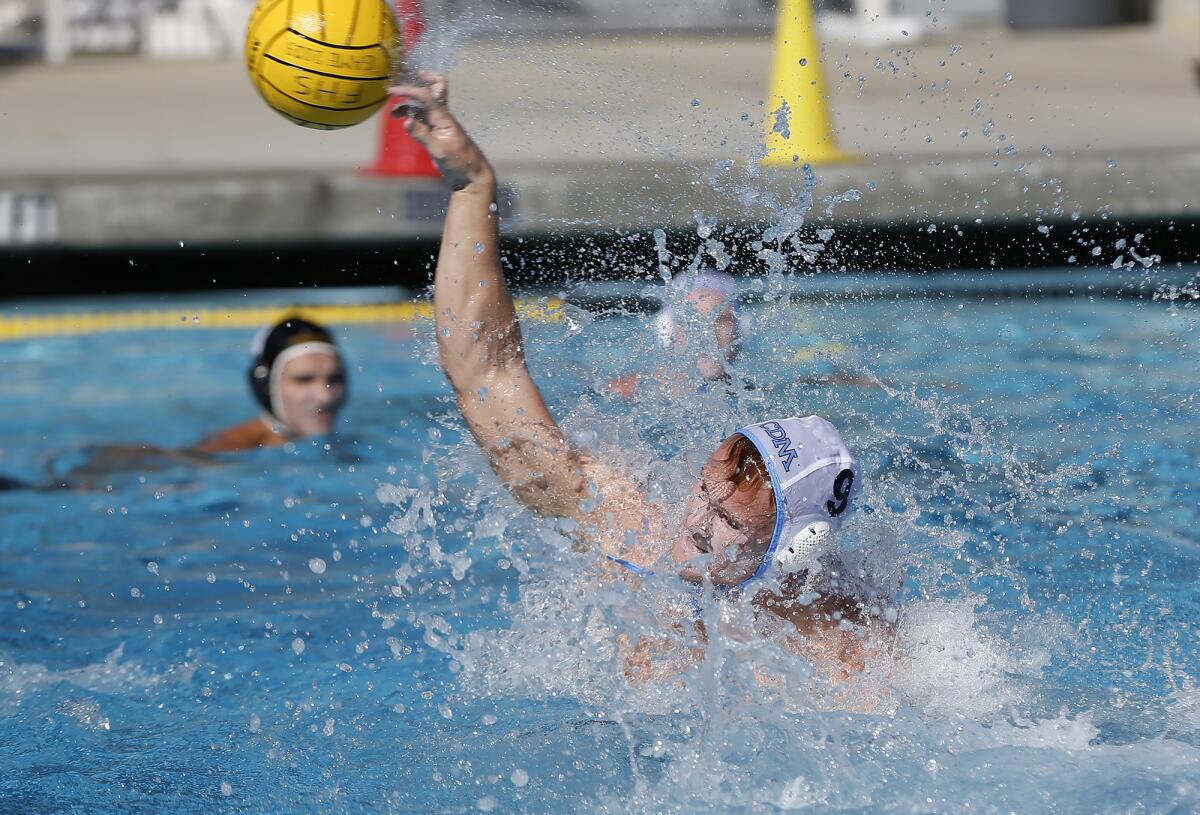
276	378
802	553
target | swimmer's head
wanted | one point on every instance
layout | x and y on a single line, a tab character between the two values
712	294
298	377
768	501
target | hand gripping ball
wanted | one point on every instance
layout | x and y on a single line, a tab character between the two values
323	63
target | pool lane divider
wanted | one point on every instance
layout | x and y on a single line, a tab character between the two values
66	323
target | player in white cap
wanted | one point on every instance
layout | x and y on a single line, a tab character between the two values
768	500
710	295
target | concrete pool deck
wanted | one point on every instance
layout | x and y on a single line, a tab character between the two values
982	126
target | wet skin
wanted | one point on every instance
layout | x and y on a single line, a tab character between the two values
730	526
725	531
481	351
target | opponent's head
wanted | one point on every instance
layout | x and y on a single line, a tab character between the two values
297	376
769	499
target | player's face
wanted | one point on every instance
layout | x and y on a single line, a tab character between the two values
312	389
733	526
713	305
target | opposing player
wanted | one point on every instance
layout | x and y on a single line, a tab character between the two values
299	380
769	498
296	375
711	296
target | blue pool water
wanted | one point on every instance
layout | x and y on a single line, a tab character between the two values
366	623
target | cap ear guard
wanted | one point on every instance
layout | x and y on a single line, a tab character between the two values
805	550
260	383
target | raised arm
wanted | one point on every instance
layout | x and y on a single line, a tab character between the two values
477	330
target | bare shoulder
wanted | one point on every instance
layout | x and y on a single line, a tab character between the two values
245	436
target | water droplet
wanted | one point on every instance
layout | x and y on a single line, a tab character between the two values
486	804
255	723
803	62
1112	162
298	646
211	578
519	778
478	247
695	103
226	787
317	565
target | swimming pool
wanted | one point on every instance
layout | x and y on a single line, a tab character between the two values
367	623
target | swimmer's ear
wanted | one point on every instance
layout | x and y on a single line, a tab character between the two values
718	490
716	470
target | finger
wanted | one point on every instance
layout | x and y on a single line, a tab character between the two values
438	84
440	90
408	109
421	94
418	129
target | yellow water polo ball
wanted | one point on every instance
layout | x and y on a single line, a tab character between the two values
323	63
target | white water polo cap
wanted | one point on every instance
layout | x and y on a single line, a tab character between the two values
683	284
815	480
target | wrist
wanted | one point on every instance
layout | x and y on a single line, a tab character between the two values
479	181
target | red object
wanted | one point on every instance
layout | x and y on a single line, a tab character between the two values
399	153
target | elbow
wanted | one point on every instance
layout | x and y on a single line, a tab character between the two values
471	358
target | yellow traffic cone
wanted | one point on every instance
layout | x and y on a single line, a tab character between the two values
798	125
